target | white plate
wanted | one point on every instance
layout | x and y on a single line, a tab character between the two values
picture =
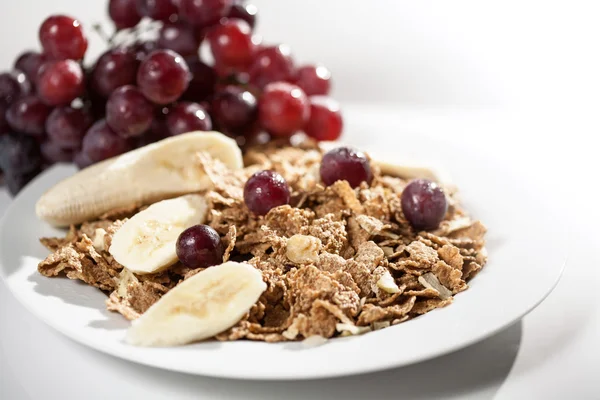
526	259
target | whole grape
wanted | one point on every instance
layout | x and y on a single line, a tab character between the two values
247	12
234	108
199	247
345	163
124	13
283	108
314	79
180	38
28	115
30	62
66	126
163	76
100	142
424	204
187	117
265	190
115	68
325	122
60	82
62	38
158	10
205	12
271	64
13	85
128	112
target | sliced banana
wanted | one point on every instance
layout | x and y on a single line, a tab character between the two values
158	171
408	171
200	307
146	243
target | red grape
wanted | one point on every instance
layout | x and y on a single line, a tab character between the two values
283	108
204	79
100	142
271	64
247	12
61	82
199	247
53	153
265	190
347	164
180	38
158	10
234	108
62	38
325	122
187	117
28	115
232	44
424	204
30	63
163	76
115	68
314	79
128	112
124	13
13	85
204	12
19	153
66	126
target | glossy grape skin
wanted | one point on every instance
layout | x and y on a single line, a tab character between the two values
199	246
187	117
62	38
115	68
124	13
158	10
265	190
345	163
53	153
247	12
325	122
19	153
60	82
28	115
271	64
13	85
128	112
314	80
205	12
180	38
100	142
283	108
232	44
234	108
163	76
66	126
204	80
424	204
30	62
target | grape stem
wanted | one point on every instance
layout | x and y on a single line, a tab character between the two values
100	31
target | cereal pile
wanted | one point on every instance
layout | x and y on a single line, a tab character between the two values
336	260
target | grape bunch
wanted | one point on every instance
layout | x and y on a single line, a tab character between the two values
56	107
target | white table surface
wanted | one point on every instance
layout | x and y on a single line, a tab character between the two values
553	353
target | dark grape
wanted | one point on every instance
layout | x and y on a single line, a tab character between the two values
13	85
15	180
19	153
30	63
62	38
199	247
347	164
163	76
180	38
271	64
115	68
60	82
283	108
66	126
82	160
232	44
424	204
247	12
204	79
265	190
314	79
205	12
187	117
53	153
28	115
158	10
100	142
124	13
234	108
128	112
325	122
158	131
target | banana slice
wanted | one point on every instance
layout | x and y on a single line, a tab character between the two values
200	307
408	171
146	243
158	171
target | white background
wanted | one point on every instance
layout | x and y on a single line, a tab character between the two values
521	76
